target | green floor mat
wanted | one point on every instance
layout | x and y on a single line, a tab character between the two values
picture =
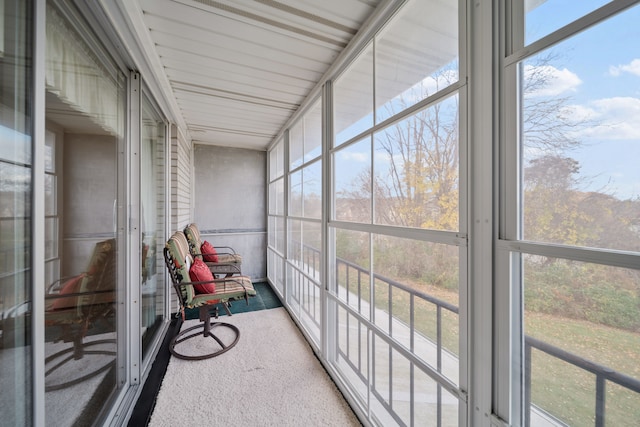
265	299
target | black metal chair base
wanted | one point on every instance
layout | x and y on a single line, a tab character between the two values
204	330
76	352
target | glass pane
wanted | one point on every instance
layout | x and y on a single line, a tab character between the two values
313	132
304	246
423	276
295	195
312	190
542	17
581	139
152	199
352	182
353	98
50	195
581	327
433	401
273	201
86	97
17	186
279	231
51	238
279	197
272	231
296	135
352	355
417	170
276	197
50	152
311	248
15	211
276	161
295	241
352	270
416	55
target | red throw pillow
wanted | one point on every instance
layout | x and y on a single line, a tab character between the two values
199	272
71	286
209	252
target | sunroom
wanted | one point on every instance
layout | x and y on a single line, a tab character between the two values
443	194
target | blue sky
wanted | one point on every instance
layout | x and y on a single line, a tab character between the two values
599	69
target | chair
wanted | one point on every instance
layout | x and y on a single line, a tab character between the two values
220	259
179	263
74	306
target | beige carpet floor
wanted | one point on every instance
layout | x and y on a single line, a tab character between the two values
270	378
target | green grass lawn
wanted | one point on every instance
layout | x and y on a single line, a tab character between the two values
568	392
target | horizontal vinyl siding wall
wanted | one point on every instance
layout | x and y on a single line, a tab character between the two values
181	166
181	155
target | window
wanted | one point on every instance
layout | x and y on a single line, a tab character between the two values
571	239
397	242
304	237
275	220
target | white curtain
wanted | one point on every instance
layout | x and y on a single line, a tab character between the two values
75	75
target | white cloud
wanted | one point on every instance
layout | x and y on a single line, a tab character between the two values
349	156
632	68
615	118
558	81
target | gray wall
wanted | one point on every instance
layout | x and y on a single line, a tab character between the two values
229	201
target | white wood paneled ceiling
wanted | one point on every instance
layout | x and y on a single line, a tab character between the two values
238	69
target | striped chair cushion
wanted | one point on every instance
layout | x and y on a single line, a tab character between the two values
231	288
179	249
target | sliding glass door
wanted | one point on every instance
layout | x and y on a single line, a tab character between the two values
84	286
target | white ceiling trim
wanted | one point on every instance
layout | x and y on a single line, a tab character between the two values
127	19
230	10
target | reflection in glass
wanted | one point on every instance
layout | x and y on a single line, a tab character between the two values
85	123
15	212
416	55
152	199
417	169
591	312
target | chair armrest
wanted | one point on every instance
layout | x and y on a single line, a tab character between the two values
195	254
233	252
224	268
